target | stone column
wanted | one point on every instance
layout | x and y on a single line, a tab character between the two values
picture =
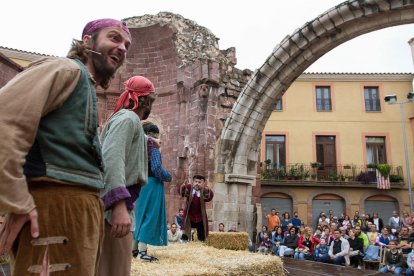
232	202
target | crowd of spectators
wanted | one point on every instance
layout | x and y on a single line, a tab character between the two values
342	240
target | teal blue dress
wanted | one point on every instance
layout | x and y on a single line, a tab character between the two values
150	213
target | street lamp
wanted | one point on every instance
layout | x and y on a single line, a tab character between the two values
392	99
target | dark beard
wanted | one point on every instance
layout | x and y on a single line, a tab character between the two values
104	72
146	114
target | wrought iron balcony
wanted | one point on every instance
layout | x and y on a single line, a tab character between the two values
316	172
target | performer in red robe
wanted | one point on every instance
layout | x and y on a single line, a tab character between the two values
195	215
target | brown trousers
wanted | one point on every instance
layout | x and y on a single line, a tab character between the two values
116	254
71	233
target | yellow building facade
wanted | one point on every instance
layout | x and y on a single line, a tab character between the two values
341	124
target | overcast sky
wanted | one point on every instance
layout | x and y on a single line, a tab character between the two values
253	27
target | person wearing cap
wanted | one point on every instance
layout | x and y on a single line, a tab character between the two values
150	213
124	149
52	169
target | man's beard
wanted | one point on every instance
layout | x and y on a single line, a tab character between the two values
100	64
146	114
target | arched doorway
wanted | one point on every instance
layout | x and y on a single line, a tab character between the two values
324	203
237	149
382	204
279	201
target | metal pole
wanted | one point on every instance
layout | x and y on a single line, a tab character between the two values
407	162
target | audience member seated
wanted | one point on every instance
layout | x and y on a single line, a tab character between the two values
384	238
285	221
379	223
356	220
395	222
406	219
278	238
179	218
344	232
264	247
404	240
346	221
322	252
339	249
362	236
306	245
393	259
174	234
372	235
296	221
327	235
371	252
323	217
290	244
221	227
260	235
233	228
356	250
324	221
410	261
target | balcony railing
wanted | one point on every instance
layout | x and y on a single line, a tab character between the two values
320	172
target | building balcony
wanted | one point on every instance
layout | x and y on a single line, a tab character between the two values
318	175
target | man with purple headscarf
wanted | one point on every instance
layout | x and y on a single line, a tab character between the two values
52	169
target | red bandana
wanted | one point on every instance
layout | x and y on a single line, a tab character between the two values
135	87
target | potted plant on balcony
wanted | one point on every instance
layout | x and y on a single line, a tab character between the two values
294	172
396	178
384	169
315	165
364	177
372	166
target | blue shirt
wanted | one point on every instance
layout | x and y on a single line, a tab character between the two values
296	222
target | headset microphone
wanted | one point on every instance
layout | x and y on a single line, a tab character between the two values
95	52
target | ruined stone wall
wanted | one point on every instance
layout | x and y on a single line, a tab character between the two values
197	85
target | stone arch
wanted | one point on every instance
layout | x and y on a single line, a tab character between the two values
292	195
314	194
238	146
387	193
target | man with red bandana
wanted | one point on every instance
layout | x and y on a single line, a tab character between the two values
124	149
52	169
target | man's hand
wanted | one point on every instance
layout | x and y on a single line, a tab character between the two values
121	221
12	226
156	142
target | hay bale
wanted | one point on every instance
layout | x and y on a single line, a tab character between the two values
201	260
228	240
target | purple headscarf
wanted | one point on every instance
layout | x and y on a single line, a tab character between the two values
96	25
